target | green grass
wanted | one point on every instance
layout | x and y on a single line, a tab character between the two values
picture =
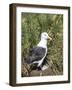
32	27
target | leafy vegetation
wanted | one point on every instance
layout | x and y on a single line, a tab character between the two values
32	26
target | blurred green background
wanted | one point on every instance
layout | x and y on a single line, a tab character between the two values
33	25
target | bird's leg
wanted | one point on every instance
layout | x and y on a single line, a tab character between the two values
41	73
41	70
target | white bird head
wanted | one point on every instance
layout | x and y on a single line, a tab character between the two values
45	36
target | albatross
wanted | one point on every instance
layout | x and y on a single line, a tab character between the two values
38	53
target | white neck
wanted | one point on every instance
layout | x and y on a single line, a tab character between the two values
42	43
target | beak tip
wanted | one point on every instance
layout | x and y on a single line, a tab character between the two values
50	38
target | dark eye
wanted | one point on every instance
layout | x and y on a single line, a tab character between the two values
44	34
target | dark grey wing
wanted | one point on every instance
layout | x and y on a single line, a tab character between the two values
36	54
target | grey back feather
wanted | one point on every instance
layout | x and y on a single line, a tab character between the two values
36	54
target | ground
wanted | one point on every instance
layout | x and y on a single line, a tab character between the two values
50	71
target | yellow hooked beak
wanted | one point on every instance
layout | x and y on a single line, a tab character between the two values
49	38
